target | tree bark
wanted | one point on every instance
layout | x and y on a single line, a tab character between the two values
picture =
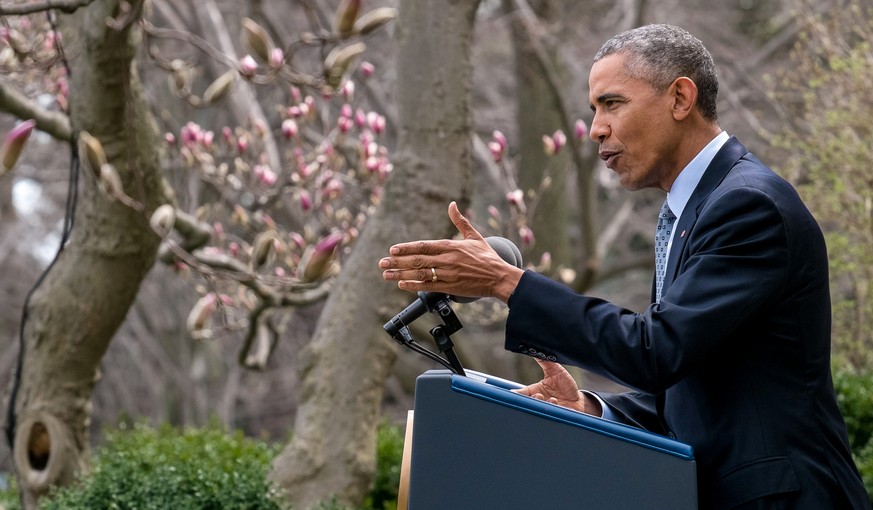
344	368
539	114
83	299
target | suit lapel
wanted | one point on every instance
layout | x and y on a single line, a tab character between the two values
721	164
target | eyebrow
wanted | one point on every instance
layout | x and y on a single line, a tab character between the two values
602	98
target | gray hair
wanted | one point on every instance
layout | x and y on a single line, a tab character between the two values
658	54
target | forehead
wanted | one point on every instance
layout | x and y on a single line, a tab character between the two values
609	77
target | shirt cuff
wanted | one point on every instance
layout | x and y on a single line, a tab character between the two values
606	412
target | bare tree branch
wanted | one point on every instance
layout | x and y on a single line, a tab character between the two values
54	123
67	6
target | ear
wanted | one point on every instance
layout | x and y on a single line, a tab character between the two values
684	93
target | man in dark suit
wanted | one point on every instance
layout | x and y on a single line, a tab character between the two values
733	354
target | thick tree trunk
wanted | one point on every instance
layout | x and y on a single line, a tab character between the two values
539	114
74	313
332	452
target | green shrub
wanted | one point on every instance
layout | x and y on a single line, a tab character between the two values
204	469
389	453
197	469
855	397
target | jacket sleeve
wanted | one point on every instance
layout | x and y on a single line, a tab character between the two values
734	265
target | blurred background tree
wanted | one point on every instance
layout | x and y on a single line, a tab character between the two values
824	146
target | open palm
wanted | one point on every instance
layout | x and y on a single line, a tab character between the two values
557	387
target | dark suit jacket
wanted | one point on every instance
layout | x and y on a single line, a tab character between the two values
735	360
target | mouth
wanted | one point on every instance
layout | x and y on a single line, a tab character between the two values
609	157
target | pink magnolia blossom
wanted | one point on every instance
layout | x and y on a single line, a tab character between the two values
348	90
515	197
265	175
297	240
305	200
526	235
247	66
367	69
14	143
560	140
500	138
277	58
496	151
548	145
360	118
289	129
581	129
344	124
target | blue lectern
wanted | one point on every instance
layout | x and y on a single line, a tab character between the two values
475	445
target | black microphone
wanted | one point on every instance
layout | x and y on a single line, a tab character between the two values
435	301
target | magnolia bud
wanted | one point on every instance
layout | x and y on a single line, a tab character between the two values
548	145
560	140
14	144
247	66
496	151
181	77
18	42
305	200
526	235
93	150
220	87
262	248
319	262
256	39
500	138
110	181
581	129
367	69
338	60
346	14
277	58
516	198
162	219
289	128
200	314
374	19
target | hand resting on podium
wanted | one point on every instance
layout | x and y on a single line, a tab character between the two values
559	387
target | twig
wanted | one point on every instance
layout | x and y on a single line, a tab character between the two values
54	123
67	6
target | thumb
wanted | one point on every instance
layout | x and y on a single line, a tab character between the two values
462	224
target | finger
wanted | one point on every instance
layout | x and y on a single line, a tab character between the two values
522	391
417	275
550	368
414	248
463	224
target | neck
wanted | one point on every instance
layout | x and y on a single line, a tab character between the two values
691	142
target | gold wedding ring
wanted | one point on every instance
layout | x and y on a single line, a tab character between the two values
434	277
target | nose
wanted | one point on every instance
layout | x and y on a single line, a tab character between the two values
599	129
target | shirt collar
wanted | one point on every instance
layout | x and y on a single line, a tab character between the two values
689	177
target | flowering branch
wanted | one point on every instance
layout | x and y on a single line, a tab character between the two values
54	123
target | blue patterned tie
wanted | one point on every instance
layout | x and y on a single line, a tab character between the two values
662	238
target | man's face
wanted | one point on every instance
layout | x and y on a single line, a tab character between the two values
633	123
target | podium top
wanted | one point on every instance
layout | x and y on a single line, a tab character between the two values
496	390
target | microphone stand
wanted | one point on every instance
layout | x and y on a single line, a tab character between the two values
439	304
441	334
